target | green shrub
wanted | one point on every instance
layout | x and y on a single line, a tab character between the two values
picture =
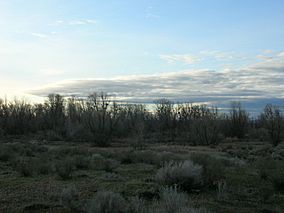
137	205
264	166
148	157
25	167
186	175
82	162
144	156
43	166
173	201
213	168
69	197
98	162
65	168
271	170
277	178
110	164
6	153
52	135
107	202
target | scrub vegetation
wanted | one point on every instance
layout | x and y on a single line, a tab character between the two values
97	155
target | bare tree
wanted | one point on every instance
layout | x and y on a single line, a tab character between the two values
272	120
166	116
238	120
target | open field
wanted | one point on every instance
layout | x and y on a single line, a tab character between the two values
67	177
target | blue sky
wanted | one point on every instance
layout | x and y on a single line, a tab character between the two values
55	45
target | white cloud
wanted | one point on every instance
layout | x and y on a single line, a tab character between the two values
151	13
74	22
187	59
258	83
281	55
267	51
264	57
39	35
152	16
220	55
51	72
204	55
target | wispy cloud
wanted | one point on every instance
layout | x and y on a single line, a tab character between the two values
205	55
83	22
220	55
152	16
39	35
51	72
74	22
150	13
187	59
281	55
264	57
260	82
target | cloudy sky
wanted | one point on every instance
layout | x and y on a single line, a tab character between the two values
211	51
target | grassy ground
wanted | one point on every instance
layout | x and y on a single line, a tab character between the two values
247	176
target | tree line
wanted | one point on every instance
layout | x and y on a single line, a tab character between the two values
101	120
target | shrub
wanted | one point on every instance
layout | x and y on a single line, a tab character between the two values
82	162
43	167
65	168
69	196
213	168
52	135
277	178
222	190
77	132
137	205
264	167
186	175
173	201
110	165
194	210
144	156
6	153
25	167
272	171
107	202
100	163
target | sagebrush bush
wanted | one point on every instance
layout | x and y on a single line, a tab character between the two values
82	162
77	132
43	167
186	175
148	157
144	156
107	202
173	201
222	190
6	153
137	205
69	197
264	166
277	178
25	167
98	162
65	168
194	210
52	135
213	168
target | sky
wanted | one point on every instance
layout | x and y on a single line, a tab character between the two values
208	51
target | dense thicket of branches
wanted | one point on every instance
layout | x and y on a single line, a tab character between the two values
100	120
